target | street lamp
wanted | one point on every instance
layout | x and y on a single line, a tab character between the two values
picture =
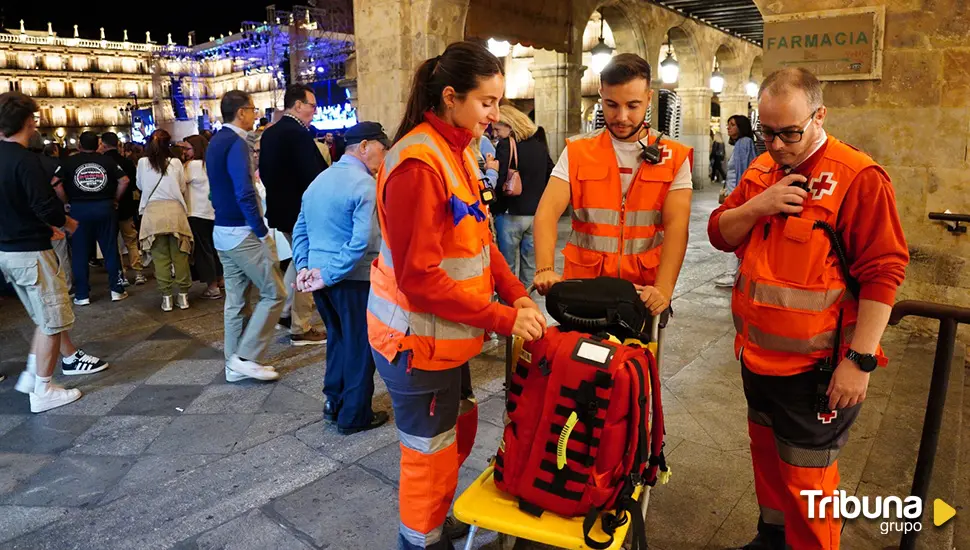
601	52
669	68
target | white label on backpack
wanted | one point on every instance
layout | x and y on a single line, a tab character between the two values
594	352
525	356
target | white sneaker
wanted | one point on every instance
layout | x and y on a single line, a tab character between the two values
182	301
53	397
140	279
82	302
248	369
118	296
166	303
25	384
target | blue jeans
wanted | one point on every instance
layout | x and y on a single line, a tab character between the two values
348	381
96	221
515	240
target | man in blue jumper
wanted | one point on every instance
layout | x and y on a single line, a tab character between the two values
335	240
244	244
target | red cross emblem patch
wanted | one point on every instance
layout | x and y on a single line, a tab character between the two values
665	154
822	185
827	418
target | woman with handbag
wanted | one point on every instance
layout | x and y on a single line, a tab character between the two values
165	232
524	169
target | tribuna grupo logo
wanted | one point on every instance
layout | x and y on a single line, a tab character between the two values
899	515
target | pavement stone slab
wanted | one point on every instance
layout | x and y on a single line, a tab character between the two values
120	435
45	434
188	372
324	437
73	481
157	400
347	509
229	399
156	350
265	427
154	470
284	399
185	505
16	468
97	400
251	531
492	410
11	421
17	520
194	434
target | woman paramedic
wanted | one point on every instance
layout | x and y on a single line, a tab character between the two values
432	285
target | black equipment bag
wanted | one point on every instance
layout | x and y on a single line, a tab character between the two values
603	304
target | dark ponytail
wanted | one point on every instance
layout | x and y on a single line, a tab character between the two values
462	66
158	151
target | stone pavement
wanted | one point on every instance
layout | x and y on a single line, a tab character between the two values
161	452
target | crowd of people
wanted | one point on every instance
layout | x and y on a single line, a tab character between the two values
393	242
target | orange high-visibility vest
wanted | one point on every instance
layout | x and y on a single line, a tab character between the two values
790	288
393	324
613	235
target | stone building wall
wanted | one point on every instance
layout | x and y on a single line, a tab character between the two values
916	123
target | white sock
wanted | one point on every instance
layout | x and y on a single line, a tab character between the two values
70	359
41	383
32	363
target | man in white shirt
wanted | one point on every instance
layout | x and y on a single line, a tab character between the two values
630	190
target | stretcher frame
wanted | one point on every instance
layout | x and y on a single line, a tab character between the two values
484	506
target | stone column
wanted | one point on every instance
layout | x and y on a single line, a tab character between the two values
399	36
558	97
731	104
696	105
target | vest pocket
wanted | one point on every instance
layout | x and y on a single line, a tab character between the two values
641	268
581	263
798	253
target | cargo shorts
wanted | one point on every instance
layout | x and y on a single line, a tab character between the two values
41	286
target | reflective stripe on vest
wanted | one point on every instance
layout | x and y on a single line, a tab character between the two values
393	157
802	346
598	243
458	269
790	298
603	216
418	324
638	246
644	218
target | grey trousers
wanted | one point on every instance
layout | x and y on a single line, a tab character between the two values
251	262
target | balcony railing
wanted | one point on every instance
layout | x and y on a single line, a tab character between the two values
97	44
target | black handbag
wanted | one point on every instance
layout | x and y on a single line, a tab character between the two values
603	304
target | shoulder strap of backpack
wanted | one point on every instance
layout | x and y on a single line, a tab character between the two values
657	461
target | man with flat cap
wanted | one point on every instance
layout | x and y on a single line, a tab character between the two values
335	240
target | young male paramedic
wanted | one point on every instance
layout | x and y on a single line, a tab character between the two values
630	189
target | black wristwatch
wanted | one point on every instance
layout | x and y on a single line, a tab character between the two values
866	362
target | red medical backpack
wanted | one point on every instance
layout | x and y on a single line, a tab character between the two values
577	440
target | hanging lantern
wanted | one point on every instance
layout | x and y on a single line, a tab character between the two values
752	88
669	68
717	79
499	48
601	52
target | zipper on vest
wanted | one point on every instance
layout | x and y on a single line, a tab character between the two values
619	264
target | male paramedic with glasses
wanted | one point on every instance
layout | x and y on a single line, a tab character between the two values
808	322
630	190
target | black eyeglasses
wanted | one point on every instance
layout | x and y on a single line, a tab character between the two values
787	136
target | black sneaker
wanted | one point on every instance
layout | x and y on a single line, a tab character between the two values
455	529
83	364
380	418
284	323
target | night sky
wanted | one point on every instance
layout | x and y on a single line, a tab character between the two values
139	16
